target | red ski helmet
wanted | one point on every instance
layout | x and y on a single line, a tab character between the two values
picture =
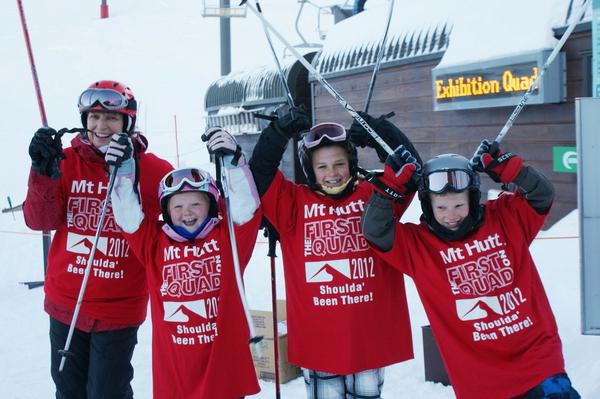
108	96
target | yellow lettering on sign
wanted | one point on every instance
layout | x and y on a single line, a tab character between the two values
461	86
517	83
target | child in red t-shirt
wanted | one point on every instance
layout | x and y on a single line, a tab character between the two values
346	311
474	273
199	330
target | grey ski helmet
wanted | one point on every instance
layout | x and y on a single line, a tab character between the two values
450	173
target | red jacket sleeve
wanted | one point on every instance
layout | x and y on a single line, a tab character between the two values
44	207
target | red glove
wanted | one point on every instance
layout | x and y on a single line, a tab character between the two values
501	167
399	174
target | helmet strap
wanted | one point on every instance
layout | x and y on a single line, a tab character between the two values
182	231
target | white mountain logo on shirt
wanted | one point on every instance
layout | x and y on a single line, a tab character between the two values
81	244
180	312
327	271
478	308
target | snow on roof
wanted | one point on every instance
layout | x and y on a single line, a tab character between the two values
478	30
505	28
247	87
416	28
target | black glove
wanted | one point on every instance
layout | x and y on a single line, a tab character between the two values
358	135
290	122
384	129
119	150
46	152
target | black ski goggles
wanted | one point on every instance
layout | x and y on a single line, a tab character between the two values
453	180
107	98
329	130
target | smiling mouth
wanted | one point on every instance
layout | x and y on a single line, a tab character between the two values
452	225
333	183
189	222
101	136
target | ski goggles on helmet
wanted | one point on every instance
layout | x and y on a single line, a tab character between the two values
329	130
193	177
107	98
442	181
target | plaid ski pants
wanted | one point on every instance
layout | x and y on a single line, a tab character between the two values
364	385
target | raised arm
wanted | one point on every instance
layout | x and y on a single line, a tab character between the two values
44	207
271	145
125	199
508	168
393	136
379	220
242	190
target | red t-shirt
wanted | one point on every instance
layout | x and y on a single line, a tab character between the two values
485	301
346	310
116	292
199	331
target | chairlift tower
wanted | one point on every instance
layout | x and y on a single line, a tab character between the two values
223	10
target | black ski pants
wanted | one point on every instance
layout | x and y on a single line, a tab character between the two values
98	366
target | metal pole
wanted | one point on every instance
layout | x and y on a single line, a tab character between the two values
222	176
596	48
45	234
103	10
88	268
282	76
176	140
225	28
273	236
534	84
379	58
323	82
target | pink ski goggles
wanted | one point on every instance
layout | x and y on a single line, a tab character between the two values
328	130
187	179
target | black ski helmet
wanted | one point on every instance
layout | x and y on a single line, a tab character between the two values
305	153
450	173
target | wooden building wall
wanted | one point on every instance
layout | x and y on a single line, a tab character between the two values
406	90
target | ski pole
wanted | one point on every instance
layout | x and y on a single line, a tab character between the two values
222	180
288	93
533	84
88	268
379	58
38	92
273	237
322	80
12	210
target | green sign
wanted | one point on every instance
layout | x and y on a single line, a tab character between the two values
564	159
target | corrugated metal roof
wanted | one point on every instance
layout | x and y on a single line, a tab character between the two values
246	88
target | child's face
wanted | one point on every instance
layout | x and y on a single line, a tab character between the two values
189	209
331	166
450	209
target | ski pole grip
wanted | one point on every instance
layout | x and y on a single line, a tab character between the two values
272	236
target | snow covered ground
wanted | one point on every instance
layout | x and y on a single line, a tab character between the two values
169	70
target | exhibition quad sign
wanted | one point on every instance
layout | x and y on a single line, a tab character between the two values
499	82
